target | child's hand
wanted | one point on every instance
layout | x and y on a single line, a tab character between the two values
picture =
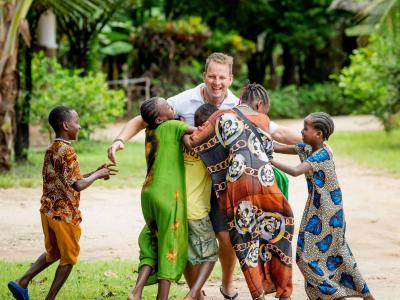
104	171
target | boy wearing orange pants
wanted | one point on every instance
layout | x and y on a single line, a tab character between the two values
59	210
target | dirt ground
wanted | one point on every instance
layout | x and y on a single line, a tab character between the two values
113	220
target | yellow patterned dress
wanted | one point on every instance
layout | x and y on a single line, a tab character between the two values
164	240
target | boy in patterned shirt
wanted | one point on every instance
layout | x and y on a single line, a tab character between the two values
60	214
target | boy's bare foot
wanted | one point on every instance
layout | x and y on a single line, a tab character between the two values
369	297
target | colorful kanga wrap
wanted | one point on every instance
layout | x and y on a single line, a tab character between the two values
163	242
260	218
323	256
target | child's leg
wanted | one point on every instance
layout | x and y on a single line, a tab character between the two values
38	266
163	289
61	276
190	274
204	271
144	273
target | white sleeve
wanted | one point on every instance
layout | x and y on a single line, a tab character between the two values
273	127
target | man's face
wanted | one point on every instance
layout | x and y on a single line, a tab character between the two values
217	79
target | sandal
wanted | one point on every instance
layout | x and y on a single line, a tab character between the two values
227	296
18	292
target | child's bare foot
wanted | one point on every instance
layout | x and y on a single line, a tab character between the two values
188	297
369	297
133	296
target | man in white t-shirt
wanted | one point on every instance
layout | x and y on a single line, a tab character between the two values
217	79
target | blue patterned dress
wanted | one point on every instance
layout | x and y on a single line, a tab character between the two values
323	256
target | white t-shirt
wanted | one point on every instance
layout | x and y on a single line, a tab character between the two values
187	102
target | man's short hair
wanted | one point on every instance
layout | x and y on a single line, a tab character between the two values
220	58
58	115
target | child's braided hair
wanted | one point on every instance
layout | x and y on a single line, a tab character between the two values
149	111
252	92
323	121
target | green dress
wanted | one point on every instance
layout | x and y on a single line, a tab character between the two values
163	242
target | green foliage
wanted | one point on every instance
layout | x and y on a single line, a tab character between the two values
91	154
90	96
373	76
234	44
163	47
297	102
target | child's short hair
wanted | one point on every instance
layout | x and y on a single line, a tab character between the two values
323	121
202	114
58	115
149	111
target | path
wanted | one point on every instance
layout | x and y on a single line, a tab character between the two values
113	219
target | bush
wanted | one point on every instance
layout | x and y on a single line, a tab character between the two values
373	80
297	102
90	96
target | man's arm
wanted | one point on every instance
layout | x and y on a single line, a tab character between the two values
287	136
132	128
285	149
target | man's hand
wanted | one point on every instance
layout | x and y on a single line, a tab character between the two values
116	146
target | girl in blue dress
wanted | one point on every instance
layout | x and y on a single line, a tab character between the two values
323	255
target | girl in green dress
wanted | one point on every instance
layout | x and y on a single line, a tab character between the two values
163	242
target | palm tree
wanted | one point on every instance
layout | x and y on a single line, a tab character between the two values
12	23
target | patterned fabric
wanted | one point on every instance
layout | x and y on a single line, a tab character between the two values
323	256
60	171
163	242
203	245
260	218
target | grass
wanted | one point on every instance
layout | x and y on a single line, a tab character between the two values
88	280
91	280
373	149
91	154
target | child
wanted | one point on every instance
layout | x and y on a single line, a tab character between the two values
323	255
59	210
163	241
203	247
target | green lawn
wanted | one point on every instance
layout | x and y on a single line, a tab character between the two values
91	280
91	154
373	149
88	280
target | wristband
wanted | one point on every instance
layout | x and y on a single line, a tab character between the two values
119	140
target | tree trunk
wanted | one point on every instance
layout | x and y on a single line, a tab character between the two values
23	112
8	94
289	61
